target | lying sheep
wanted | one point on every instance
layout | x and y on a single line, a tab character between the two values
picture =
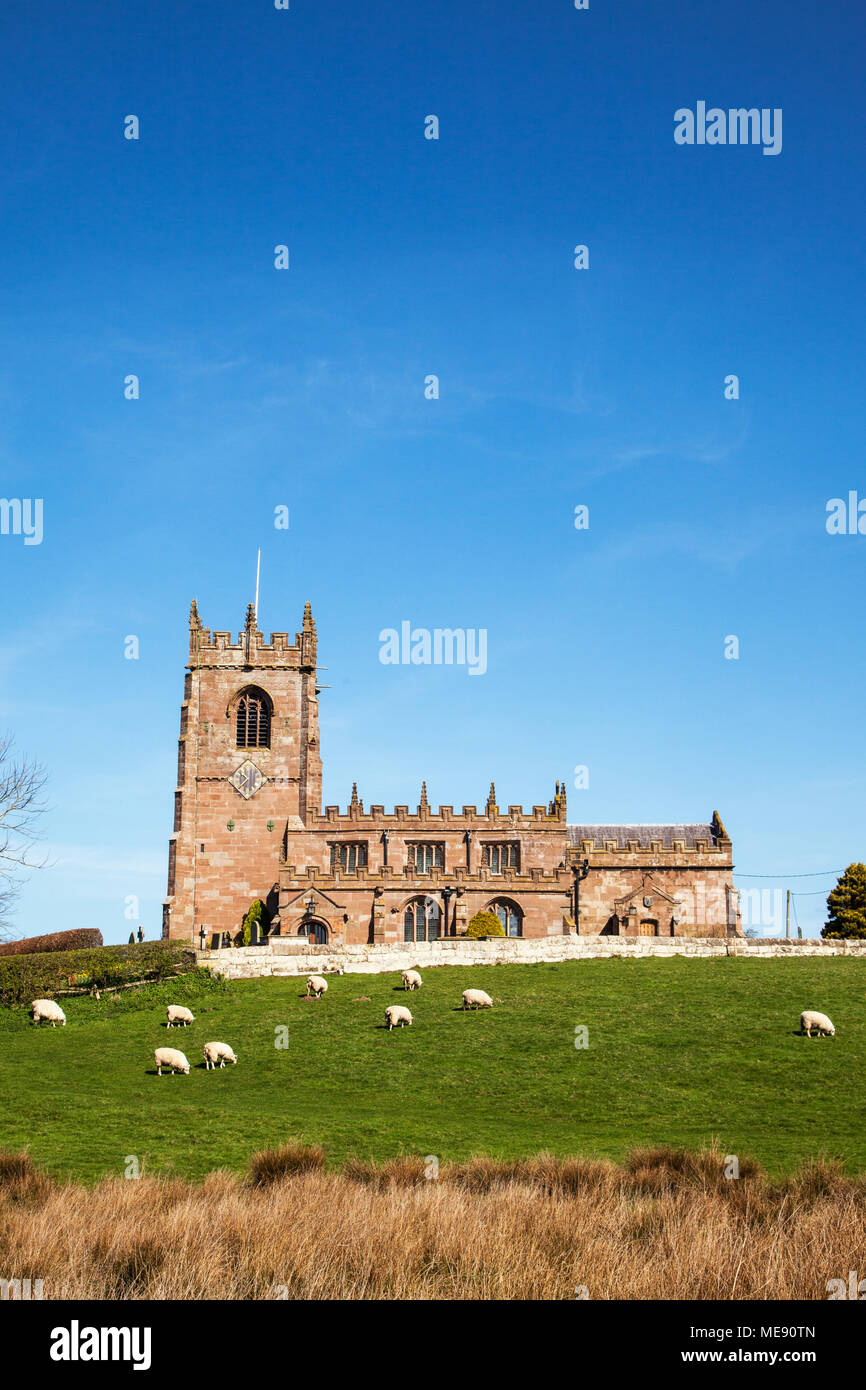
317	986
178	1013
217	1052
410	979
171	1058
49	1011
397	1013
476	999
810	1020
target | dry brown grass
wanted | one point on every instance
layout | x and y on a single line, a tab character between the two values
667	1224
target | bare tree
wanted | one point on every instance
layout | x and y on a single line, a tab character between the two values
21	805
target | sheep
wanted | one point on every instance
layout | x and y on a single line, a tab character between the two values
171	1058
217	1052
317	986
810	1020
476	999
397	1013
49	1011
178	1013
410	979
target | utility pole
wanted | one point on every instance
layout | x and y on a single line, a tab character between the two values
788	915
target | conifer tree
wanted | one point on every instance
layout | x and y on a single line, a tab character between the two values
847	905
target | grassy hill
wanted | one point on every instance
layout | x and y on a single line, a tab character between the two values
681	1052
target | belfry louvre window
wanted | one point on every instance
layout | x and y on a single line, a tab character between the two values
423	857
349	855
253	720
499	857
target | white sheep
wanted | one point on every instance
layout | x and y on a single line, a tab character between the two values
410	979
217	1052
397	1013
49	1011
178	1013
810	1020
476	999
171	1058
316	986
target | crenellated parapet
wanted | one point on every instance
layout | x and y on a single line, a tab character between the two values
403	878
217	648
659	844
425	819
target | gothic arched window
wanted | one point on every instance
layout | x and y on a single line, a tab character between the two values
422	920
510	916
253	719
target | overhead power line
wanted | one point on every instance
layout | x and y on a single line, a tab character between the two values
822	873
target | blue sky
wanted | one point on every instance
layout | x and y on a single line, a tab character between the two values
558	387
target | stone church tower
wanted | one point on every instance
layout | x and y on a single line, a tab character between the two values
248	770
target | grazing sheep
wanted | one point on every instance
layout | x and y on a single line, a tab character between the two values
410	979
476	999
171	1058
810	1020
49	1011
397	1013
316	986
178	1013
217	1052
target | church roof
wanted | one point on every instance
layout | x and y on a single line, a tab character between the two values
644	834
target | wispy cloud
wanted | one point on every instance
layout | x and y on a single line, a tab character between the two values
94	862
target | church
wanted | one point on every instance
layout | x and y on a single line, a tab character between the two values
249	824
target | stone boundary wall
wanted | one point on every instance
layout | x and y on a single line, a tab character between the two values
286	957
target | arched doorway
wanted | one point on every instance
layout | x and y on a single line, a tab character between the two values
315	930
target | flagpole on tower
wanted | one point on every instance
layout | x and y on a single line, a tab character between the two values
258	572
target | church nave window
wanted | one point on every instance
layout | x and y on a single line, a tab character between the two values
349	855
499	857
422	920
510	916
423	858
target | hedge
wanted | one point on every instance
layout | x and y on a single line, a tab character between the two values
29	977
79	939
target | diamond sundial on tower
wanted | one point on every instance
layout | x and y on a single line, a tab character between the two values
246	779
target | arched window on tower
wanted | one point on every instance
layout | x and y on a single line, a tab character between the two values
253	719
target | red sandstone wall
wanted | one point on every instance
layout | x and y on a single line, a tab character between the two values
217	871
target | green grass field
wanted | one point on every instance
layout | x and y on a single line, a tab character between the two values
681	1052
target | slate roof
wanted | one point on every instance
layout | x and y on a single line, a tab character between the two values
642	833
